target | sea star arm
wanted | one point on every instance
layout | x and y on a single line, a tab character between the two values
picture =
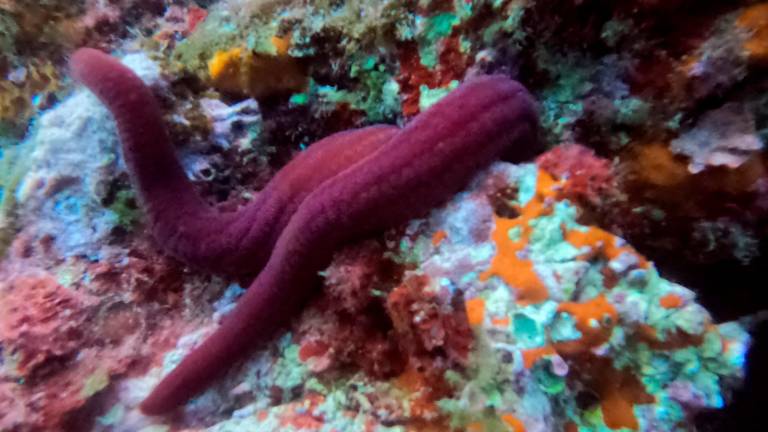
432	158
182	222
241	241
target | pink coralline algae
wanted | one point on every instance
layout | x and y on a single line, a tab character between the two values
401	176
347	325
59	364
427	322
69	329
590	178
368	317
42	322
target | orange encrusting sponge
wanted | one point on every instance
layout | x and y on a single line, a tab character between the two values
595	318
517	271
602	243
244	72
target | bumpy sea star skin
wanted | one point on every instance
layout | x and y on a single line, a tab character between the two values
235	242
428	161
391	177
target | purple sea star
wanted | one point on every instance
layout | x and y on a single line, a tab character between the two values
317	203
235	242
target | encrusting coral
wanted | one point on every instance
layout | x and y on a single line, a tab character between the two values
407	175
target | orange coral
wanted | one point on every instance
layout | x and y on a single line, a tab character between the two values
225	65
281	44
475	427
596	318
518	271
514	423
671	301
438	237
500	321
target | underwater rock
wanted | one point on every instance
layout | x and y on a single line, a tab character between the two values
513	307
230	120
74	155
604	323
722	137
42	322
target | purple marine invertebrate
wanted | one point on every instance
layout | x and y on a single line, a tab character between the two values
400	175
235	242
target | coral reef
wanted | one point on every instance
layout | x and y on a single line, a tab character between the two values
597	86
608	287
608	345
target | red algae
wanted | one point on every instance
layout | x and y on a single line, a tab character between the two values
590	179
426	324
42	322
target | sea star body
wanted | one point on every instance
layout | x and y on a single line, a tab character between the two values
236	242
409	172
